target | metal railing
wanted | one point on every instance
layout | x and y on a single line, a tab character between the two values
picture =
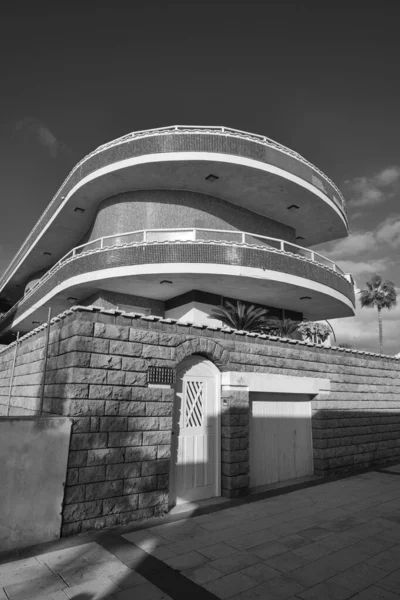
186	129
189	234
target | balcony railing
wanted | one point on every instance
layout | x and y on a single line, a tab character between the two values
217	236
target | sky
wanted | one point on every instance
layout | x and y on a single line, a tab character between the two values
320	79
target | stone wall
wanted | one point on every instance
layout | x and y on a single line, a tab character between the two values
120	445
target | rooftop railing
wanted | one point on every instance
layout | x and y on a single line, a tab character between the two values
190	234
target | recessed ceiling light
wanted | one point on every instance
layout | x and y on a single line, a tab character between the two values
71	299
293	207
305	298
212	178
165	281
47	253
79	209
35	322
299	237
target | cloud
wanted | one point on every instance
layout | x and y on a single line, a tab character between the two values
382	186
363	267
38	131
356	243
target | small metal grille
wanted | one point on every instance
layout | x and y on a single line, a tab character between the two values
161	375
194	396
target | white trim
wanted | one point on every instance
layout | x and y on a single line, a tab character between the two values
187	268
271	383
174	157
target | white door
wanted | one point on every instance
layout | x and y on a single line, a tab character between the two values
195	434
280	438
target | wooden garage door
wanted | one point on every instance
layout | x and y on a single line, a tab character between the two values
280	438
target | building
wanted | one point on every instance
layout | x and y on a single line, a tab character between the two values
171	221
163	225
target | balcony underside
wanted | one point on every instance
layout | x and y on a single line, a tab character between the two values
248	273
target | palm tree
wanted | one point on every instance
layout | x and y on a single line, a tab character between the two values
243	316
284	328
379	294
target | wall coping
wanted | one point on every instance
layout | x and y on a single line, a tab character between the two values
184	324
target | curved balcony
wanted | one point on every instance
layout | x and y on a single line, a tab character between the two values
248	170
239	264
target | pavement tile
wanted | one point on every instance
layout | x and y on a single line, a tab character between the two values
229	585
217	551
91	571
256	538
391	582
343	524
17	564
35	589
375	593
127	580
54	596
294	541
327	590
315	533
24	574
186	561
389	560
145	540
313	551
337	541
102	587
260	572
359	577
268	549
147	591
202	574
286	562
235	562
373	545
279	588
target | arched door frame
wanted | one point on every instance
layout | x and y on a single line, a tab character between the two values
213	370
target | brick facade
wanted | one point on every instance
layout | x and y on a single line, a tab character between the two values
121	440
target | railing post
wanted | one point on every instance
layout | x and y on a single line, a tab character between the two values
243	238
195	234
73	252
101	243
312	256
334	267
282	246
144	235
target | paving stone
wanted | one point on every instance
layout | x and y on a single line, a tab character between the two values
35	589
202	574
315	533
17	564
373	545
286	562
102	587
391	582
327	590
313	551
260	572
28	573
229	585
375	593
186	561
146	591
359	577
235	562
337	541
293	541
268	549
217	551
389	560
256	538
127	579
279	588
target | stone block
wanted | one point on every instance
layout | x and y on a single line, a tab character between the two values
100	523
143	423
234	469
165	423
77	327
72	477
156	438
95	423
144	337
123	471
71	529
230	483
164	352
73	359
81	425
235	432
105	456
149	499
140	484
77	458
101	392
164	451
91	474
82	510
67	390
159	409
74	494
125	348
131	409
234	456
163	481
105	361
121	393
113	423
155	467
84	344
111	332
116	440
83	408
116	377
140	453
134	364
121	504
135	378
105	489
88	441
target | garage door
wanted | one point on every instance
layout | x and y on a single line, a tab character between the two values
280	438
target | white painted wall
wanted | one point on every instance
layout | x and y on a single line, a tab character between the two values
194	312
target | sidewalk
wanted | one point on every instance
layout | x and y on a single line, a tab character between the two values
332	541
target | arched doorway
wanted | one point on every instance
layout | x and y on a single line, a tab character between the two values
196	437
